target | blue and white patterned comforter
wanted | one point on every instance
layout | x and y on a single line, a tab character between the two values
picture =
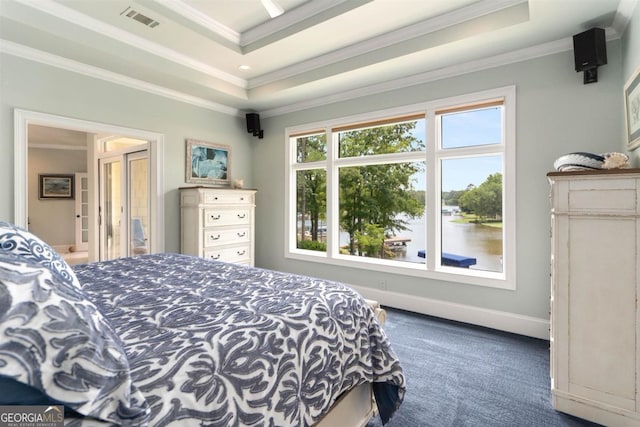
230	345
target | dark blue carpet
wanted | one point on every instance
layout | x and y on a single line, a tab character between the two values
464	375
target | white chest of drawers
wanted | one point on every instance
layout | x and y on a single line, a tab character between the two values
595	319
218	224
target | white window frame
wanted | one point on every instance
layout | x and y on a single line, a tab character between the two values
433	155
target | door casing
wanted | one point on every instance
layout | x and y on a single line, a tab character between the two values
23	118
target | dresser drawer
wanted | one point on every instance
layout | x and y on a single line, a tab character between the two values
217	237
218	224
611	195
616	200
237	254
237	216
222	197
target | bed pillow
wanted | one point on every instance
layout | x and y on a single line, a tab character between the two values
55	340
21	242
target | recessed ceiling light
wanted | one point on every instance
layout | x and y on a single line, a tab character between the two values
245	67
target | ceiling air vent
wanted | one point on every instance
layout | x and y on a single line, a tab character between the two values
143	19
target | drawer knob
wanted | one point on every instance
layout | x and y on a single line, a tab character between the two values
244	233
242	216
214	257
215	237
242	252
215	217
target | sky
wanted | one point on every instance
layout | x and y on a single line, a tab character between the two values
459	173
477	127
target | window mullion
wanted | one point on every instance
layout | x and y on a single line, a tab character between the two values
333	219
290	197
308	166
476	151
432	202
381	159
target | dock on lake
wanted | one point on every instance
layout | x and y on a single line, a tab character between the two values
396	242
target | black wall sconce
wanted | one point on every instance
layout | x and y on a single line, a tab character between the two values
253	125
589	52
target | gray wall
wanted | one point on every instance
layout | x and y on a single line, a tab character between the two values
556	114
54	221
631	45
33	86
631	62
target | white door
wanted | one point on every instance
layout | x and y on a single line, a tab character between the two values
124	210
82	212
110	208
138	182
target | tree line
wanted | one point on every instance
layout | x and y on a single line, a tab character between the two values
484	201
375	201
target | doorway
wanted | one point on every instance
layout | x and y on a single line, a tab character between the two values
123	211
56	155
155	150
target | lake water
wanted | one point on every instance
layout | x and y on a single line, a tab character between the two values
470	240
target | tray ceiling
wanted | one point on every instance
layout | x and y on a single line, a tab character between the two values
233	57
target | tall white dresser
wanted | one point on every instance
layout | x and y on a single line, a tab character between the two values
218	224
595	340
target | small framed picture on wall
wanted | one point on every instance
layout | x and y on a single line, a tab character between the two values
55	186
632	110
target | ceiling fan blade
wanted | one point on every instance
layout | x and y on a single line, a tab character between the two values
273	9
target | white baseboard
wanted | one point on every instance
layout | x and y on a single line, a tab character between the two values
501	320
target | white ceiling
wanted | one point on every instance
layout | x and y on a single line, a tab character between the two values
317	52
43	136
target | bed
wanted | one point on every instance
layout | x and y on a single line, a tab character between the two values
170	339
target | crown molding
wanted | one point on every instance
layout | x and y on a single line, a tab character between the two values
427	77
623	16
205	21
294	21
533	52
500	60
421	78
39	56
67	14
288	23
287	19
427	26
290	19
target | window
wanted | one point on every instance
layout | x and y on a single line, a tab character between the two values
426	190
311	191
